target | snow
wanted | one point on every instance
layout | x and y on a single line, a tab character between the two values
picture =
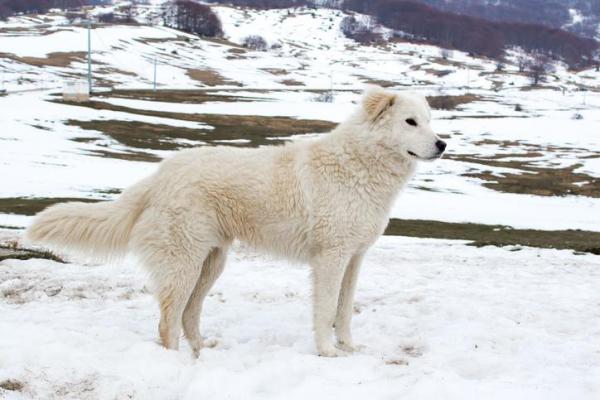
42	159
439	320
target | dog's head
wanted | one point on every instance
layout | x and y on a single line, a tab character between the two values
402	121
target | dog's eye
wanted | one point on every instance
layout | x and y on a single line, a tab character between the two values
411	122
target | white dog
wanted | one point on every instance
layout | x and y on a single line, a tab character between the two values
322	201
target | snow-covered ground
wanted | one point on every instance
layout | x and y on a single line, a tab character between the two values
439	319
39	145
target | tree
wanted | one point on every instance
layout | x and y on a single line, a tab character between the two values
522	61
359	30
255	42
192	17
445	53
538	67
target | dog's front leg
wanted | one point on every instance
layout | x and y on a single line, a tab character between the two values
345	306
328	272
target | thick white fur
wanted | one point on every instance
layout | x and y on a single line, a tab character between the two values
323	202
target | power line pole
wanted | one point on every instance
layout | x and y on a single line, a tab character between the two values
89	56
154	87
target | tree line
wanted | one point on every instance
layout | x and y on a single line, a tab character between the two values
476	35
13	7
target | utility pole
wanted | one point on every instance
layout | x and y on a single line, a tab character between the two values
89	56
468	77
154	87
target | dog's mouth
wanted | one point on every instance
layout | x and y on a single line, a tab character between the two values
418	157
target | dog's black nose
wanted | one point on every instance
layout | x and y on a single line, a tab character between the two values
441	145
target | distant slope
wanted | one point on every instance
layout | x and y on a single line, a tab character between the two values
578	16
476	35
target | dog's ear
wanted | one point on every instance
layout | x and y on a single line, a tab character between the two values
376	101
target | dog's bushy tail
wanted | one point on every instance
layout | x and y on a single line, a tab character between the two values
96	230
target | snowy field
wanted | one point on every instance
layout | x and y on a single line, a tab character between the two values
439	319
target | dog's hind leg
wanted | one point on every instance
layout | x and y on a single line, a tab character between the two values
173	244
211	270
175	284
175	266
343	318
328	272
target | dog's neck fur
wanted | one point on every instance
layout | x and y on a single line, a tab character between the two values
355	147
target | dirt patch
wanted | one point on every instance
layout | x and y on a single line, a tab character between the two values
178	38
497	235
258	130
12	384
541	181
59	59
437	72
254	130
291	82
33	205
451	102
142	135
129	155
113	71
176	96
379	82
210	77
530	179
275	71
14	251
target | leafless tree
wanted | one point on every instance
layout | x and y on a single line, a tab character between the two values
446	53
192	17
255	42
538	67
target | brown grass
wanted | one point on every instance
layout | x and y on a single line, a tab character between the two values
497	235
437	72
259	130
275	71
291	82
175	96
210	77
380	82
538	180
12	385
451	102
33	205
59	59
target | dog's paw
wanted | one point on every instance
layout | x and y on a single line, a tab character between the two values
331	351
350	347
198	345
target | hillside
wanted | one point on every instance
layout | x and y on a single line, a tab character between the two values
578	16
481	288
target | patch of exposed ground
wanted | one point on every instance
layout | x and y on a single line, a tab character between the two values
12	385
142	135
528	176
257	130
291	82
275	71
58	59
497	235
210	77
445	102
14	251
438	72
540	181
175	96
380	82
33	205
